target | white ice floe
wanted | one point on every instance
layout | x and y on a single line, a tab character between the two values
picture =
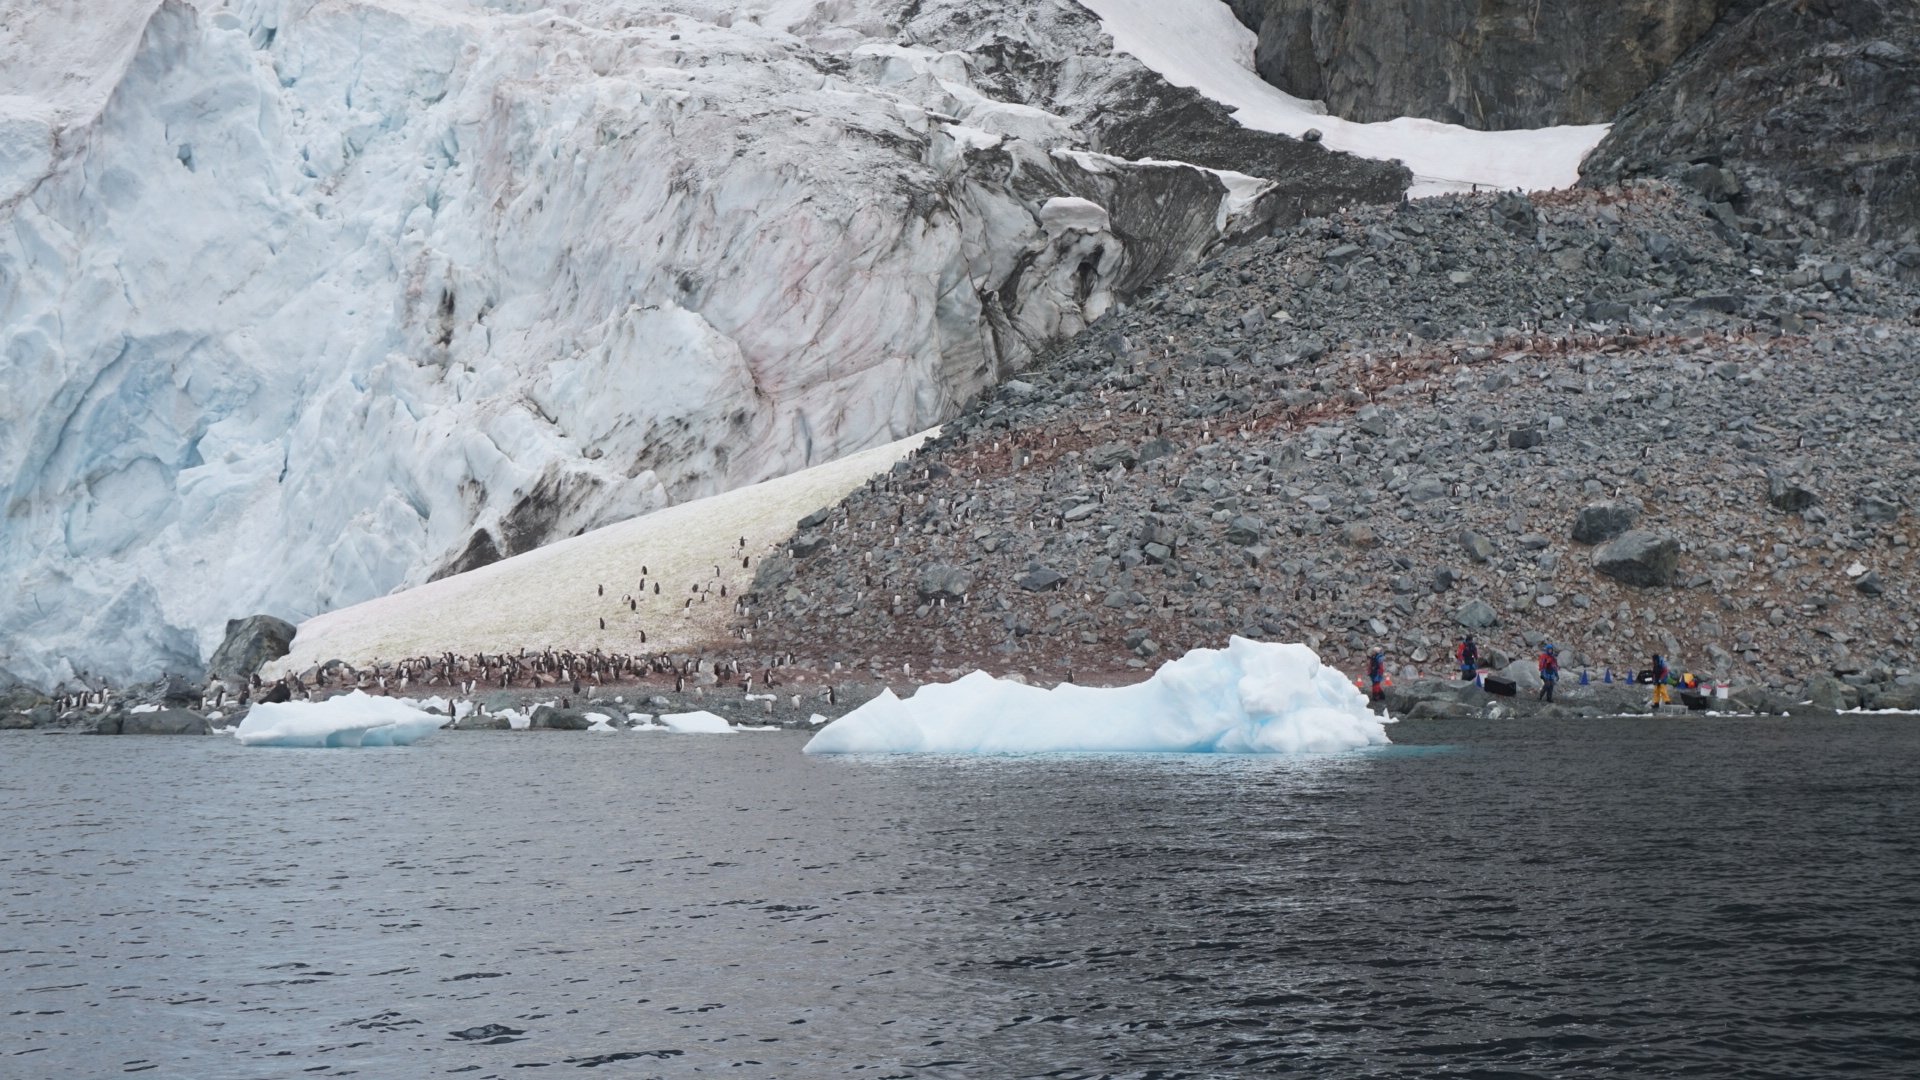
601	722
1199	44
350	720
1249	698
696	723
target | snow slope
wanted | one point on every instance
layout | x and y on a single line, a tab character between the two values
1185	41
1251	697
551	597
302	302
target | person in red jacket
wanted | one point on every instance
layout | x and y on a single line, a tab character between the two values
1469	656
1377	674
1549	672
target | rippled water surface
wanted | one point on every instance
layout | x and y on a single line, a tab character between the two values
1719	898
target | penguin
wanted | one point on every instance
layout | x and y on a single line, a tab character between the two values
603	590
603	624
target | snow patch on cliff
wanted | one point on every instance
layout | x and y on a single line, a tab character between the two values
1199	44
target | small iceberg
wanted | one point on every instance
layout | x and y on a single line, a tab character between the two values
696	723
349	720
1250	698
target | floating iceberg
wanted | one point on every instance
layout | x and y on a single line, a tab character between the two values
696	723
350	720
1249	698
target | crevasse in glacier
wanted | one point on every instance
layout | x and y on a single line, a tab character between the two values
304	302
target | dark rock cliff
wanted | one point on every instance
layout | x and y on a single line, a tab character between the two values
1812	105
1489	64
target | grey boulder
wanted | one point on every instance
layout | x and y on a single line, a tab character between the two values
250	643
1826	692
1477	547
1525	675
546	716
1041	579
1476	615
1598	523
1639	558
1785	495
942	581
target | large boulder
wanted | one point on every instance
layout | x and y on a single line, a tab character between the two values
1525	674
1598	523
1477	547
1759	699
943	581
1476	615
164	722
250	643
1904	698
557	719
1785	495
1826	692
1644	559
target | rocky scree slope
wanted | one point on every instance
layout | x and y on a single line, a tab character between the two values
302	303
1587	420
1814	105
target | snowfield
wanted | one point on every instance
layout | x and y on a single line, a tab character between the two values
1250	698
1199	44
552	596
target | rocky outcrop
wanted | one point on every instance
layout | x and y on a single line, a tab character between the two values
1644	559
250	642
1811	106
1494	65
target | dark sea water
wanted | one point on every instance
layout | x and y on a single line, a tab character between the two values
1716	898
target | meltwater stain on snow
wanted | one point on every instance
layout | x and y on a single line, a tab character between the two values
354	719
1250	698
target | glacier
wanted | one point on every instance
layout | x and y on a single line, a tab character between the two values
349	720
302	303
305	302
1250	698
